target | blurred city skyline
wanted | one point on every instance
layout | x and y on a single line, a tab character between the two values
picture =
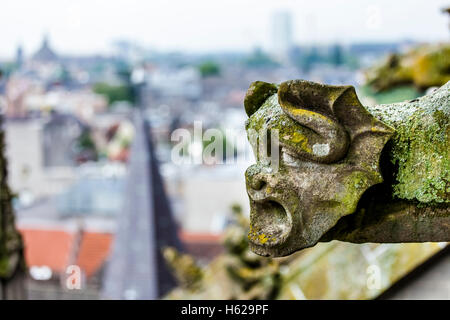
91	27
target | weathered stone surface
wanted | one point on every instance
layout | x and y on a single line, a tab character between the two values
420	146
330	148
185	268
338	270
238	274
423	66
333	270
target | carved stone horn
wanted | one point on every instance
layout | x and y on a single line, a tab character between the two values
334	123
311	105
334	114
256	94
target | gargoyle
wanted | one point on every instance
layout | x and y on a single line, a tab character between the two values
424	66
342	171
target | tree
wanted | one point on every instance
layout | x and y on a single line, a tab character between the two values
208	69
258	59
115	92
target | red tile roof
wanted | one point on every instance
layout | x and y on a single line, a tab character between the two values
50	248
94	251
55	248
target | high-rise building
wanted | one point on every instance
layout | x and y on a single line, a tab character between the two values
19	56
282	40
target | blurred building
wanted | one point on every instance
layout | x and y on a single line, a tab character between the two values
19	57
75	227
281	40
206	195
42	153
82	103
184	82
16	90
45	54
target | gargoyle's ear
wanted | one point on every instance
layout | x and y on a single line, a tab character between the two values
257	93
311	105
355	118
337	118
368	135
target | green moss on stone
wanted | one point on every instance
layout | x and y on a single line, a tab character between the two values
424	67
420	146
258	92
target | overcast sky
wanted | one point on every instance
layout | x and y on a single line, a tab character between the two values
90	26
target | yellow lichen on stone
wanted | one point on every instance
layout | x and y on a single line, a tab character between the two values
302	140
263	238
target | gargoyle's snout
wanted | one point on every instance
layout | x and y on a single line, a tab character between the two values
261	185
270	221
256	182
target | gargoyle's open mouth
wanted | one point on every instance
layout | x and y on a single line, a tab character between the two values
270	223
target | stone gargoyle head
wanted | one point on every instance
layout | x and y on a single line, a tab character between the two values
317	150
